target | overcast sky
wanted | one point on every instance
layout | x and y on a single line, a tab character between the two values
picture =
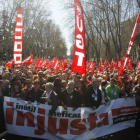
59	17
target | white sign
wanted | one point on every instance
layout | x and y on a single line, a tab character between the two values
83	124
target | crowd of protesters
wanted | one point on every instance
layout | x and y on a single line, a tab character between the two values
69	89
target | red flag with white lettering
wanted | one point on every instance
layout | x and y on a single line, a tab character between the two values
138	65
79	58
130	43
57	65
91	66
18	38
118	64
44	64
28	61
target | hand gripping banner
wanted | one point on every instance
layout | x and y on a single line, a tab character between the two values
79	58
18	38
32	120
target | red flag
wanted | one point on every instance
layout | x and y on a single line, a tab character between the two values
122	60
113	64
51	63
118	63
101	66
131	43
106	64
130	65
61	65
91	66
9	64
37	63
18	38
44	64
54	63
138	65
64	63
79	59
57	65
28	61
40	63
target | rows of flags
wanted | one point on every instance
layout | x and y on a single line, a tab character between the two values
79	58
55	63
58	65
114	65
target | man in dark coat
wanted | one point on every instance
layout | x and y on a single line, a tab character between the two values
71	98
136	91
35	93
93	95
2	120
49	97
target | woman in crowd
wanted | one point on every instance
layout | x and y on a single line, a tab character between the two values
17	91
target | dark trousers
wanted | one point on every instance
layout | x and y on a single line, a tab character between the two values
2	120
137	123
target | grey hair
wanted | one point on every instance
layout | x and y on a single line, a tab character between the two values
95	80
49	85
69	82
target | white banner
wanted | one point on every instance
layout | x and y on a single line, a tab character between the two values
32	120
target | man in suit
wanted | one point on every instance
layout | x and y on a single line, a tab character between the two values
71	98
49	97
93	95
136	91
35	93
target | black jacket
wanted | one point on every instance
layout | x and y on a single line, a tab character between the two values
32	97
6	91
90	97
58	92
54	101
75	99
136	91
2	120
125	92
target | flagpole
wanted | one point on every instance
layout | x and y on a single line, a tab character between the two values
130	43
